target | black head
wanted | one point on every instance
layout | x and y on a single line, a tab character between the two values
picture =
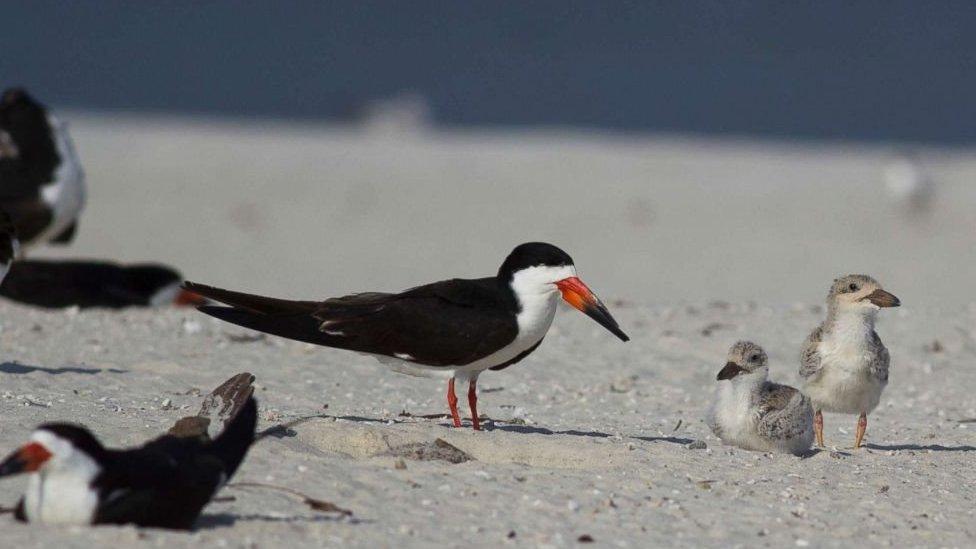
59	446
146	280
24	123
533	254
537	268
79	437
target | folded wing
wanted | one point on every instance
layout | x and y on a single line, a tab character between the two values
449	323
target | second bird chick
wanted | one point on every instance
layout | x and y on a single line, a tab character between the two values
753	413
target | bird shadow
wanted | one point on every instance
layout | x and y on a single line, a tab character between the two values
16	368
228	520
284	430
672	440
531	430
931	447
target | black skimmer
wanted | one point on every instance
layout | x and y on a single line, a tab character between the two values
163	484
42	185
457	328
9	244
85	283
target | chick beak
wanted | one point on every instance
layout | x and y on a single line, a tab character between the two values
582	298
25	460
730	370
882	298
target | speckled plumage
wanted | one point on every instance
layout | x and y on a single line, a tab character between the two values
756	414
843	362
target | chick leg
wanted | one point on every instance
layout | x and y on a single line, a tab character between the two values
818	427
862	425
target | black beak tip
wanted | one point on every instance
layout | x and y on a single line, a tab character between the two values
10	467
602	316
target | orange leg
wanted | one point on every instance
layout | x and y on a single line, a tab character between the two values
473	404
818	427
862	425
452	402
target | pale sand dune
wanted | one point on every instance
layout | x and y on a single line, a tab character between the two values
305	212
315	211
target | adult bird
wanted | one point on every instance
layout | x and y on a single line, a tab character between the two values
86	283
166	483
455	328
42	185
9	244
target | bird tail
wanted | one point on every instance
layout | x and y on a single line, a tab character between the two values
280	317
232	444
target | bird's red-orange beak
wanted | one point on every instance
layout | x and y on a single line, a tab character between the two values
186	298
582	298
26	460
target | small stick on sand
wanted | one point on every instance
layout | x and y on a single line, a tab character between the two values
316	504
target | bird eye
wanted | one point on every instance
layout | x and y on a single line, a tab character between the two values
754	358
852	287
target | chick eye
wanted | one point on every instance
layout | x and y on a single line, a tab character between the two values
852	287
754	358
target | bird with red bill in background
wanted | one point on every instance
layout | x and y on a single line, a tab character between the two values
455	328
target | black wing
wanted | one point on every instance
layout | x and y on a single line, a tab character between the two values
30	217
167	482
453	322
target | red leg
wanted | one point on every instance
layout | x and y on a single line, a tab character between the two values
473	404
452	402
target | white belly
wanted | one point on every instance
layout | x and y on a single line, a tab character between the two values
845	383
733	419
59	498
66	194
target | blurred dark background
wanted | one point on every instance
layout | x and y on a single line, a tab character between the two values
901	71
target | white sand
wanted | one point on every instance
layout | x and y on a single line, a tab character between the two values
549	481
336	212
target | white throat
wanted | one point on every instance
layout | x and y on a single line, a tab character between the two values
61	491
851	327
537	296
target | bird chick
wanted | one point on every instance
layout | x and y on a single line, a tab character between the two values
753	413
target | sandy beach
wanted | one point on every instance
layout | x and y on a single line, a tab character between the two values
692	244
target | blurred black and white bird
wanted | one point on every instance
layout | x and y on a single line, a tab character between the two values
9	244
42	185
165	483
88	283
455	328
